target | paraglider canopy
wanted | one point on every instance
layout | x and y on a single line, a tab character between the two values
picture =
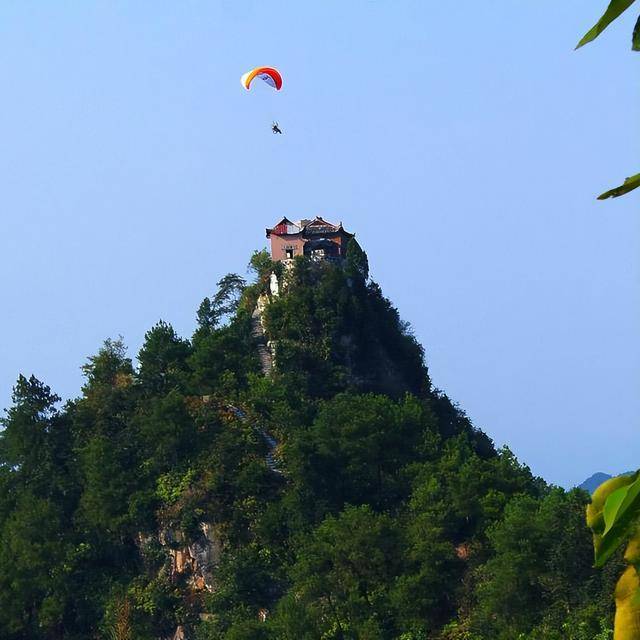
270	75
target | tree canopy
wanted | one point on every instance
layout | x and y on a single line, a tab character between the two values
339	497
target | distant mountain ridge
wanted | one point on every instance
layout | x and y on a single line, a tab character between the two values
594	481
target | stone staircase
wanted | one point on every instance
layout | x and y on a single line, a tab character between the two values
272	443
270	459
266	365
264	351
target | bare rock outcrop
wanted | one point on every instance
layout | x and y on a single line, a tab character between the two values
196	561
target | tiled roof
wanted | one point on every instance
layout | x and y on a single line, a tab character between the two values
286	227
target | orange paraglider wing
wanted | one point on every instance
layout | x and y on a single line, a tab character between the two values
270	75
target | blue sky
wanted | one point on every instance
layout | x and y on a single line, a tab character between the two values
463	142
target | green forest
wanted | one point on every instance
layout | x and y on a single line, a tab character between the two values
288	472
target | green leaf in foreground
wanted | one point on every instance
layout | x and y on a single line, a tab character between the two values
635	39
612	507
631	183
620	514
615	8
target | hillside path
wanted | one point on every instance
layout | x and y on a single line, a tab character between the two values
266	365
264	352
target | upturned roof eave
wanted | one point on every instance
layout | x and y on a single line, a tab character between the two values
284	220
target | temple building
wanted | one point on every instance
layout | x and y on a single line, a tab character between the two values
317	239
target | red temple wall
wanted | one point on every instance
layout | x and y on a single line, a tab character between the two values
279	245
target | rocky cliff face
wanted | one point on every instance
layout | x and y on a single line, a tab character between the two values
195	561
192	563
264	348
